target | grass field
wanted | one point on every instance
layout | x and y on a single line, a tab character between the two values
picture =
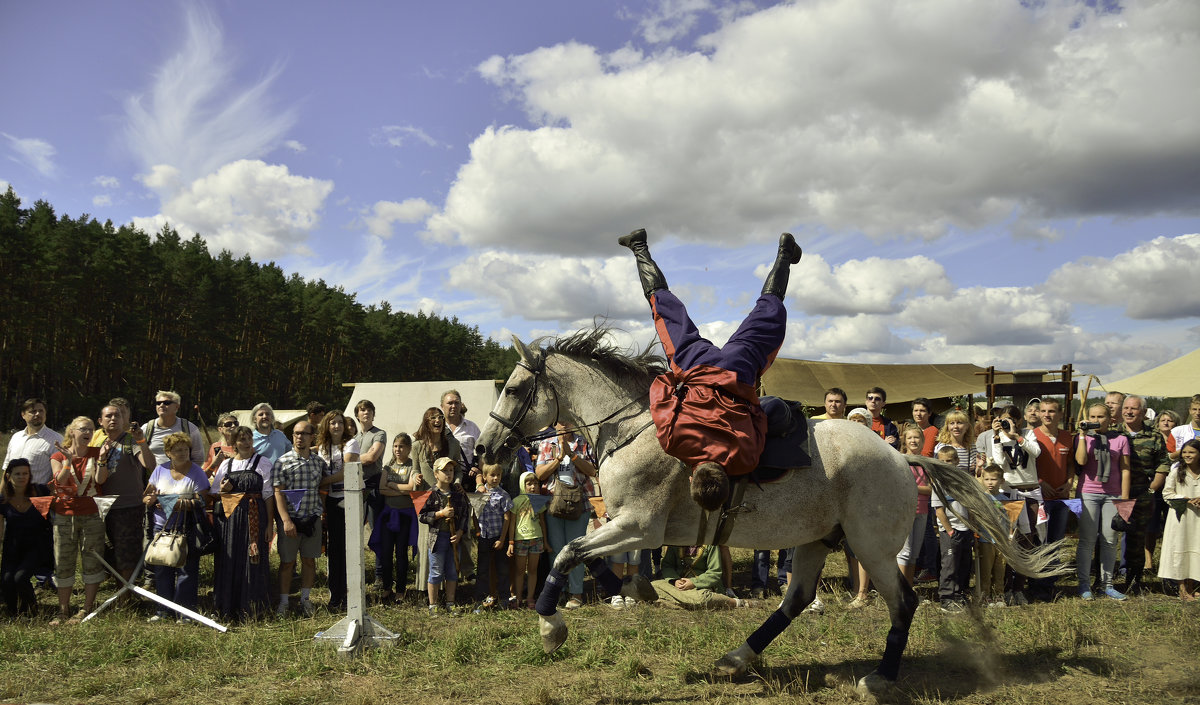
1142	651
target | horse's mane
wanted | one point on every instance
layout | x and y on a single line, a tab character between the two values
596	344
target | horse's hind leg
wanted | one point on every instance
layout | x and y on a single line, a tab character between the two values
807	563
902	605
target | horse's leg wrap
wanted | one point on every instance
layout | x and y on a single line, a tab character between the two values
604	577
764	635
547	603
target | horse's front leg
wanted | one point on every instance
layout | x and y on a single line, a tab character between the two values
614	537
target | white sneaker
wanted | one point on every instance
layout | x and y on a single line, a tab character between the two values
617	602
631	601
816	606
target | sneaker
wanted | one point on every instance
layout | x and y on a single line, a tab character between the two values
281	610
617	602
488	602
1087	596
477	610
434	609
952	607
995	603
816	606
306	607
185	620
631	602
926	576
156	618
730	593
573	604
757	593
1112	594
1019	599
858	603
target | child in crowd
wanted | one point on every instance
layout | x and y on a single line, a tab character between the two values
528	541
955	541
495	525
991	561
913	439
957	433
1181	537
447	512
393	525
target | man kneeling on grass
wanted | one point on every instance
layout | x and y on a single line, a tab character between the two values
692	580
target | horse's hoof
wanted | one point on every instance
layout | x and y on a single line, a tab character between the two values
639	588
734	663
554	632
873	685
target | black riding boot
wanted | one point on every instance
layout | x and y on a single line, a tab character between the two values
788	254
651	276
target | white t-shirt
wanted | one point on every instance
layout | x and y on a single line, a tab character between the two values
335	457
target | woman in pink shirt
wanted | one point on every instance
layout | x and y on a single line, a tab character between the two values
1103	459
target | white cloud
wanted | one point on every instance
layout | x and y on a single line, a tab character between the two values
102	201
962	115
385	213
668	20
37	154
989	316
872	285
195	117
109	182
1154	280
398	135
4	186
296	146
245	206
552	288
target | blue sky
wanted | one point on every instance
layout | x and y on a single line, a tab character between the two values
972	182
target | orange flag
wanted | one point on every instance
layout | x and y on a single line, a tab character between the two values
598	505
230	501
419	499
43	505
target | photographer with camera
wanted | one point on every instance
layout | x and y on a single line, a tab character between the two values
1104	475
1015	449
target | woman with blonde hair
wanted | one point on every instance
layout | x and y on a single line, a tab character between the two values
78	528
958	433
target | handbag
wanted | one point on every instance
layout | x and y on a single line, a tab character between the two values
567	501
169	548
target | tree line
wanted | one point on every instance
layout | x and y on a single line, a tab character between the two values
90	311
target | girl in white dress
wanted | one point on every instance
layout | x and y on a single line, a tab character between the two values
1180	559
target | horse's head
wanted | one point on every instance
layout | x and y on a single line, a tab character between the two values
527	404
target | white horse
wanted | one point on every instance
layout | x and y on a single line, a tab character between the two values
857	487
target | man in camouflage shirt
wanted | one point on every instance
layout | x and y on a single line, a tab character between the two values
1149	464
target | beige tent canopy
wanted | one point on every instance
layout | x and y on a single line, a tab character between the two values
807	380
399	406
1178	378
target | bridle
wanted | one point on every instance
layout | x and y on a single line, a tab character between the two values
516	438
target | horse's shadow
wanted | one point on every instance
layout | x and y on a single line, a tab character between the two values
956	672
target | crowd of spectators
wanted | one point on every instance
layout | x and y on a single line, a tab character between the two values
259	501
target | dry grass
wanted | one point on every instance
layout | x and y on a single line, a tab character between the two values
1102	652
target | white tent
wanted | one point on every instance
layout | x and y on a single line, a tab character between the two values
1178	378
399	406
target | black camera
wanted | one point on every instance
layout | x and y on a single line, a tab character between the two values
1006	425
1088	426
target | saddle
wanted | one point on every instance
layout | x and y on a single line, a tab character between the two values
787	440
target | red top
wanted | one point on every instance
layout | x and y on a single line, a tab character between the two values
1054	462
717	419
931	434
66	495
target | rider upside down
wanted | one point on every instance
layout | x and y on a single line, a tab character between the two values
705	407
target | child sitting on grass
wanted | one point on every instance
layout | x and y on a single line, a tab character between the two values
495	524
447	512
528	539
955	540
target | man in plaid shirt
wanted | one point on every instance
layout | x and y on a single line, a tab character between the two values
299	469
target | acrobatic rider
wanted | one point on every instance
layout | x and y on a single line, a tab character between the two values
705	408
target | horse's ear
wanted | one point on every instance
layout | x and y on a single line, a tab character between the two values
526	356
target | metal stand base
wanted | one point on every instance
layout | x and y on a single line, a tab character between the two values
355	634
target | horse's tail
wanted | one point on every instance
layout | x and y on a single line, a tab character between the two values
986	518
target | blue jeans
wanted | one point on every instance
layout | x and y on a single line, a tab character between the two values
1095	525
560	533
483	571
441	560
393	555
760	568
1056	528
179	585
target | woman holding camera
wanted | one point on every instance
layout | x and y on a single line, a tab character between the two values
1015	449
1103	459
